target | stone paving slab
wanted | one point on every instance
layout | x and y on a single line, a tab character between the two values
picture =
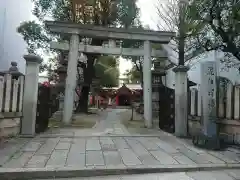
94	158
76	159
104	151
37	161
113	150
57	159
112	158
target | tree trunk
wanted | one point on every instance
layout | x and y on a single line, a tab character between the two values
93	100
181	45
88	73
83	100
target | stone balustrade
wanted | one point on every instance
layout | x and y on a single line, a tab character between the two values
11	100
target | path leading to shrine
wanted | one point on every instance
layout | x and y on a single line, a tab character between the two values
108	148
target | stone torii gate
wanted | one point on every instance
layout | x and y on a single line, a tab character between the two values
74	47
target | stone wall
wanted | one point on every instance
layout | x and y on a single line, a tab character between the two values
11	98
227	111
9	124
229	130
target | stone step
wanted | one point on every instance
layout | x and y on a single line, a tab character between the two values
57	115
73	172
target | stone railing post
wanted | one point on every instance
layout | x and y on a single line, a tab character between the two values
30	95
236	102
229	104
193	108
181	101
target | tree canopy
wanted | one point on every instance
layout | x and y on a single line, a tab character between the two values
107	71
221	21
176	16
133	75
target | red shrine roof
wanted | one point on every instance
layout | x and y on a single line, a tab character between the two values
124	91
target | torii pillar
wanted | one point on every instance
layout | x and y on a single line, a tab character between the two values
147	84
71	79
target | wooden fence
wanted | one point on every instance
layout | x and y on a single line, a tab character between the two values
228	111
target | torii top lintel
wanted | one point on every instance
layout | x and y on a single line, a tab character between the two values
110	33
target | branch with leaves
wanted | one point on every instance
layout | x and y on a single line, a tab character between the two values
221	21
170	12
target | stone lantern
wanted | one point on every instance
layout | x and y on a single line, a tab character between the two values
62	73
157	83
158	72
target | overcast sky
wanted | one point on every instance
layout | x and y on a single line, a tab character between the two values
12	45
148	17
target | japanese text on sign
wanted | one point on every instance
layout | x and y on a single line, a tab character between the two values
211	89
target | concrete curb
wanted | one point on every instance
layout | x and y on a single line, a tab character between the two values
99	135
71	172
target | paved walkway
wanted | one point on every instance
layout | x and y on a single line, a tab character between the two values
109	145
108	125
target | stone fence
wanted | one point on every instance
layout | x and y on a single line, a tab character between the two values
11	100
227	108
18	98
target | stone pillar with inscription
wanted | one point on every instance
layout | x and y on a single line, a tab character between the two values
208	96
209	136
